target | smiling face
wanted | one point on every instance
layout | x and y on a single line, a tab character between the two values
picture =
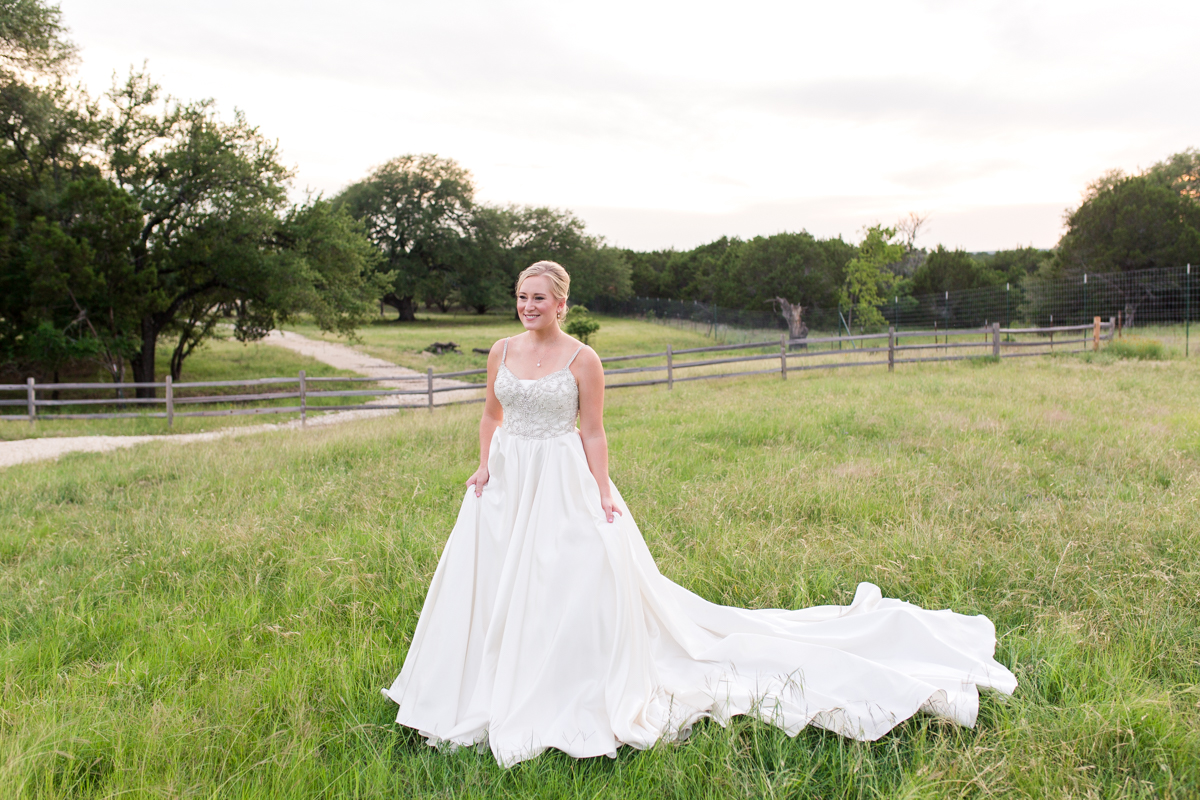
537	306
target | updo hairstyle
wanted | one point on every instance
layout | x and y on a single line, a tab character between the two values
560	281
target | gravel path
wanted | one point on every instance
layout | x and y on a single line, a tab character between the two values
336	355
343	357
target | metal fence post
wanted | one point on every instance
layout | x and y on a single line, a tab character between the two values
891	348
31	401
429	378
996	339
670	370
170	392
303	400
1095	334
783	347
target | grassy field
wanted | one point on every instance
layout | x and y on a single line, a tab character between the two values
217	360
217	620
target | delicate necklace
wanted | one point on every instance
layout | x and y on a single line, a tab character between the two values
539	361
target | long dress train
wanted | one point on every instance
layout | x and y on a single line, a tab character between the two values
547	626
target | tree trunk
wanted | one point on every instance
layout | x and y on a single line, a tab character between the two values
143	362
793	315
405	306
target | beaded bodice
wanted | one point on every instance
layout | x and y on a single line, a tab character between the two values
539	409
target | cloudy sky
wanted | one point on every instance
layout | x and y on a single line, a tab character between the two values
671	124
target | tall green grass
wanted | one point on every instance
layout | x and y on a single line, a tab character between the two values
217	620
1145	349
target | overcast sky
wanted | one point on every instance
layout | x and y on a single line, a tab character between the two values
671	124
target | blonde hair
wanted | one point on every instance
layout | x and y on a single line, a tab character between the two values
560	281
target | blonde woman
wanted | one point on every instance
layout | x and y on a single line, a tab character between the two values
547	623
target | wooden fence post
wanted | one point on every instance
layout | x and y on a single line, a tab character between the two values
995	340
170	403
304	399
1095	334
891	348
783	348
31	401
429	378
670	370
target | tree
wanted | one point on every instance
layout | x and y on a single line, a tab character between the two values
1180	173
793	315
124	225
952	271
649	273
868	281
210	193
1131	223
65	230
417	209
908	229
485	268
84	284
1013	266
791	265
538	233
706	272
32	37
599	271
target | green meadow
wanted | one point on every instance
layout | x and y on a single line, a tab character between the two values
216	620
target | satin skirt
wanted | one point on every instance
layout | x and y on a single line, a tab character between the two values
547	626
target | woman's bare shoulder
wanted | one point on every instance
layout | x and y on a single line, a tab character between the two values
496	352
587	358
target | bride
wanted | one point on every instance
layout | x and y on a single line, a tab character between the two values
547	623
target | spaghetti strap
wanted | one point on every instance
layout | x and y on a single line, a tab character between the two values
505	353
573	357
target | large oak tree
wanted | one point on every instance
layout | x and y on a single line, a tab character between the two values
139	218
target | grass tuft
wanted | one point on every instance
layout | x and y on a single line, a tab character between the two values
1141	349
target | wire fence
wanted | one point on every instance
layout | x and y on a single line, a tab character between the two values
1137	299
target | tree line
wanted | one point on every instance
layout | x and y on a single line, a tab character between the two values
136	221
1125	222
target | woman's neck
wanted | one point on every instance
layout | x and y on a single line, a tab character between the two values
546	336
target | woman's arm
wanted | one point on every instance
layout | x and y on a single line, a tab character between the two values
589	374
493	415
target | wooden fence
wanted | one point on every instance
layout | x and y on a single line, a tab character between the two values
790	355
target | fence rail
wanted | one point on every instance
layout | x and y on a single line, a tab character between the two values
786	350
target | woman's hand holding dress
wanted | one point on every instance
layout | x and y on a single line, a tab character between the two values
479	479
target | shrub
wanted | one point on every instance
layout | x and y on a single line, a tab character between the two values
580	324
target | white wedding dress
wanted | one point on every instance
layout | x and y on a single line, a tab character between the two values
547	626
